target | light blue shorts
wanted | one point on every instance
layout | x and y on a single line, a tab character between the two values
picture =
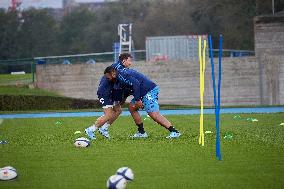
150	100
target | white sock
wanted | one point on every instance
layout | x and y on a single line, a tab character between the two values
93	128
105	126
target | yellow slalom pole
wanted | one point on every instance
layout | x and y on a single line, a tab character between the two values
202	61
200	88
203	81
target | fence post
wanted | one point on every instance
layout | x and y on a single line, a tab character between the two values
32	69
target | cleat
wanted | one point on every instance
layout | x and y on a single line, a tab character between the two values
140	135
104	132
90	133
174	135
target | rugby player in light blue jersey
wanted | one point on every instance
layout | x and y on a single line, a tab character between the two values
145	94
111	96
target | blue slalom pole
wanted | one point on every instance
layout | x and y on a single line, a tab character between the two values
216	103
213	71
218	148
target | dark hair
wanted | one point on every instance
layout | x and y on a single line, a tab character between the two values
124	56
109	69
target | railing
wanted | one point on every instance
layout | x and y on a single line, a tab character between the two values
27	65
86	58
233	53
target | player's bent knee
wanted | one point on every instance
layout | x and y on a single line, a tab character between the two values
107	116
132	108
117	109
154	115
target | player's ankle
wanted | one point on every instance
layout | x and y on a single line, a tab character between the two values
172	129
140	128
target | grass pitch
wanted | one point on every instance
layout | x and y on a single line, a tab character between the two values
24	90
43	153
10	79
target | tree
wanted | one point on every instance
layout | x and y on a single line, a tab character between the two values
231	18
84	31
37	34
9	25
74	31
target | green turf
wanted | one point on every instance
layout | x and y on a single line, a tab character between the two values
24	90
43	153
8	79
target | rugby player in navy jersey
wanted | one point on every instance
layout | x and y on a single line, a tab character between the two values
111	96
145	94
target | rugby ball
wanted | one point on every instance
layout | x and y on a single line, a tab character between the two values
8	173
82	142
126	172
116	182
8	167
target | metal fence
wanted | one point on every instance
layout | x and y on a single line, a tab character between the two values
182	48
18	71
27	66
173	47
17	65
91	58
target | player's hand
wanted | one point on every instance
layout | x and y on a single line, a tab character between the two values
138	104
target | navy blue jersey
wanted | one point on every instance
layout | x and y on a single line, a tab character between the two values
121	92
104	91
108	92
118	65
137	82
105	86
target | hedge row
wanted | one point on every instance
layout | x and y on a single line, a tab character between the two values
21	102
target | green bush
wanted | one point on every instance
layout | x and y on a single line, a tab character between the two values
22	102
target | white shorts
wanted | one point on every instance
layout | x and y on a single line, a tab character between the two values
107	106
111	106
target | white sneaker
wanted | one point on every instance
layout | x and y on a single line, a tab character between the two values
174	135
104	132
140	135
90	133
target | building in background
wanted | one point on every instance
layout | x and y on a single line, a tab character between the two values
163	48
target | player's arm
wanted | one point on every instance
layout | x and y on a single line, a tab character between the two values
135	87
136	91
126	78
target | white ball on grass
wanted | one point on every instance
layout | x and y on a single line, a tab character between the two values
82	142
116	182
126	172
9	167
8	173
